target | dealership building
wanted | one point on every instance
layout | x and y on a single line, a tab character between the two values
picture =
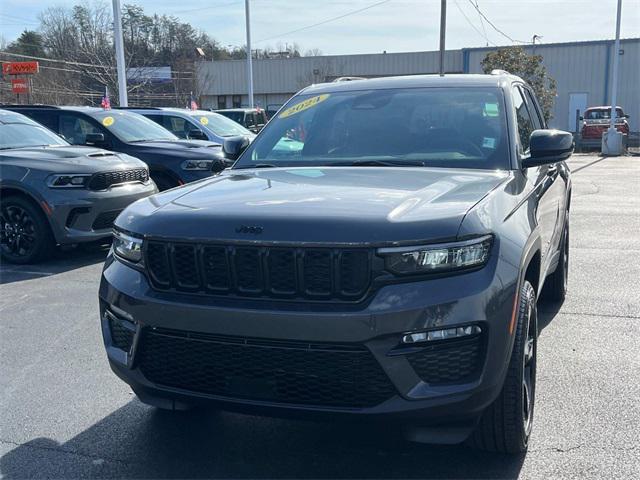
582	70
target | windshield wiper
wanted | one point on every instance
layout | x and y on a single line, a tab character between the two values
379	163
259	165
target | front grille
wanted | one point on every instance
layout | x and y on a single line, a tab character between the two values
277	272
121	335
105	220
333	375
450	362
102	181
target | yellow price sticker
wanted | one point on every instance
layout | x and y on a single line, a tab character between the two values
305	105
204	120
108	121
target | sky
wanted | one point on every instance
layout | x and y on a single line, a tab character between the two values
373	26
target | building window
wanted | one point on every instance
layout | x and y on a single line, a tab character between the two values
236	101
222	102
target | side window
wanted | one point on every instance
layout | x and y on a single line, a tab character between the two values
525	124
538	122
177	125
75	128
249	120
45	118
159	119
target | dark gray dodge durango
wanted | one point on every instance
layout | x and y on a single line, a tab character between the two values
53	193
385	266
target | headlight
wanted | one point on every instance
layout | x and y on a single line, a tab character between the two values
68	180
438	257
197	164
127	247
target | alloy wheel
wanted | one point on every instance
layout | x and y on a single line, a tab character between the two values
17	231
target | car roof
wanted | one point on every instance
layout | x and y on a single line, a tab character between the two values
7	117
247	109
183	111
499	80
603	107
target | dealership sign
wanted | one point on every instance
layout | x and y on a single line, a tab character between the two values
19	85
20	68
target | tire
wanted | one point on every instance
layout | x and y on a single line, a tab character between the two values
505	426
163	182
555	286
25	235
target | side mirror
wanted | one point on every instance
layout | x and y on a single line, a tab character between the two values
548	146
197	135
234	146
581	117
94	138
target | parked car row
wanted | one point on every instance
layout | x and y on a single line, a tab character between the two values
67	172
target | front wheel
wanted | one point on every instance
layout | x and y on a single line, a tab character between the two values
25	236
506	424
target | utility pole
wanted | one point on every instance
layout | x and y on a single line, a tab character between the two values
612	139
117	35
443	26
249	60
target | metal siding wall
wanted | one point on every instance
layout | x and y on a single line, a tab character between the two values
291	75
581	68
577	67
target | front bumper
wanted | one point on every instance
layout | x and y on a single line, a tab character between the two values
484	298
83	215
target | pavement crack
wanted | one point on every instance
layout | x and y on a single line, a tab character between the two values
64	450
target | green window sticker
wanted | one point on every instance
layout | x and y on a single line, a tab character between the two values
491	110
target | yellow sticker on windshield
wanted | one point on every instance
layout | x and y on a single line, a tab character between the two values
204	120
308	103
108	121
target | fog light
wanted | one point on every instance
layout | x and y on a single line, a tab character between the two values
445	334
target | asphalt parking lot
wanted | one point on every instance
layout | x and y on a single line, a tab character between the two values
63	414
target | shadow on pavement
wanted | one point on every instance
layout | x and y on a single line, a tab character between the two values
62	261
141	442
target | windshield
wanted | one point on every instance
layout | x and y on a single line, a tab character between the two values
20	135
131	127
220	125
441	127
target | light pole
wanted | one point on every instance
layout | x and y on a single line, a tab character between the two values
249	60
443	26
117	36
612	139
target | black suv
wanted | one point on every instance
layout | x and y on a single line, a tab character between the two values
387	265
171	161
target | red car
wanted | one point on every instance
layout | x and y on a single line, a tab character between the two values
595	122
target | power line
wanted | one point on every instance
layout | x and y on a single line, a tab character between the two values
78	64
482	23
471	23
493	25
353	12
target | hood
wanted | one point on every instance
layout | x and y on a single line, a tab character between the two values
367	205
68	159
185	149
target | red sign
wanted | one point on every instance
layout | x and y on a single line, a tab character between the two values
20	68
20	85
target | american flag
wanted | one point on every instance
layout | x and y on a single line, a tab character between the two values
106	103
192	105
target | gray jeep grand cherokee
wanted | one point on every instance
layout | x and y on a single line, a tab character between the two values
52	193
388	267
